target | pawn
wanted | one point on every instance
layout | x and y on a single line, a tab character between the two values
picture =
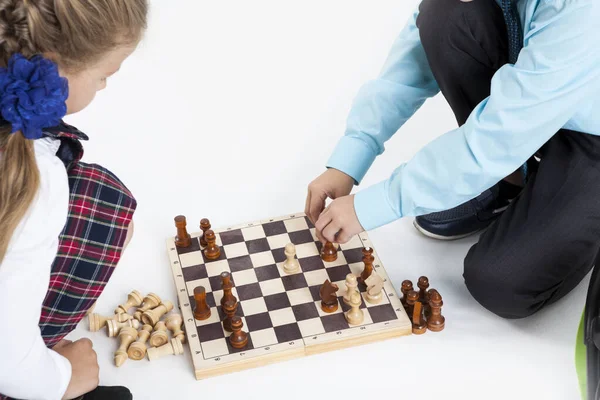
134	299
355	315
351	287
204	225
201	310
239	338
97	321
182	239
159	336
174	347
427	305
368	261
173	323
137	350
212	251
290	265
113	327
229	308
126	337
151	317
436	321
423	285
407	286
150	301
329	252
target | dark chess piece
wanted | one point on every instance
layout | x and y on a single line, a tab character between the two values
239	338
212	251
227	285
411	299
423	285
407	286
204	225
436	321
202	310
329	252
229	308
368	261
426	305
182	239
329	300
419	326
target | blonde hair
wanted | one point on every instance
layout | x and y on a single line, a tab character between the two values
76	34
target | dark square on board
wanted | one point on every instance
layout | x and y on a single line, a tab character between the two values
301	237
382	313
257	245
315	292
257	322
216	283
222	256
311	263
305	311
210	332
279	255
353	255
267	272
296	281
247	292
274	228
287	333
231	237
346	307
310	224
194	272
338	273
195	246
334	322
277	301
240	263
232	349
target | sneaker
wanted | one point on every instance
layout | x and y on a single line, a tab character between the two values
471	217
108	393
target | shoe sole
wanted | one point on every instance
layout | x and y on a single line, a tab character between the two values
439	237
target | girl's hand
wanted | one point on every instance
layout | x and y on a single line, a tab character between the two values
338	223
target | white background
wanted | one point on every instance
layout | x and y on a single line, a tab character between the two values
227	111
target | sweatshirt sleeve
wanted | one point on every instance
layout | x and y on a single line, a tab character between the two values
28	369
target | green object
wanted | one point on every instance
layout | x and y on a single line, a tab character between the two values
581	359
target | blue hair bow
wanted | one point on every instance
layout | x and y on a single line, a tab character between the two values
32	95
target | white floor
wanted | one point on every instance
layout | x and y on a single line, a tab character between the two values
228	111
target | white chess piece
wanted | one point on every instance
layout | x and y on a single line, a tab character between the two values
351	287
290	265
355	315
374	287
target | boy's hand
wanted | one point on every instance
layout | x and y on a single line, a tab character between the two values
333	184
84	366
338	223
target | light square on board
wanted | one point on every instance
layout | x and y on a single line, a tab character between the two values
255	306
264	337
299	296
306	250
279	241
191	285
262	259
236	250
272	286
357	268
214	348
317	277
244	277
283	316
311	327
353	243
367	320
340	260
190	259
253	232
216	267
214	318
296	224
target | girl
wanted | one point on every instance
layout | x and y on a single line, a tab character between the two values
63	223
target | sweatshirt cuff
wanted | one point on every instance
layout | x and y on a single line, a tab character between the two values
353	157
373	208
64	372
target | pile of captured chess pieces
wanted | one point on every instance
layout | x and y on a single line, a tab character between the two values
424	308
152	314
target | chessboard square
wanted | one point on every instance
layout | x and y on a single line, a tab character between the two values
305	250
353	255
222	256
367	320
214	348
340	260
315	291
313	233
296	281
215	268
262	259
240	263
311	263
274	228
272	286
263	338
338	273
194	246
267	272
308	223
323	313
248	346
209	332
282	317
218	295
216	282
247	292
305	311
236	250
357	268
334	322
257	245
214	317
300	237
191	259
191	285
239	311
231	237
288	333
296	224
278	255
300	296
277	301
244	277
317	277
353	243
258	322
194	273
253	232
255	306
279	241
311	327
382	313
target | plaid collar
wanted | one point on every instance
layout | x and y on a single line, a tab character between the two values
64	130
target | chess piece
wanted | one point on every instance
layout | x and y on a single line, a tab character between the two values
351	287
204	225
182	239
423	285
411	299
291	264
368	261
113	327
173	323
151	317
436	321
97	321
355	315
419	326
229	308
134	299
91	309
174	347
150	301
137	350
329	301
126	337
212	250
407	286
227	285
202	310
374	288
159	336
329	252
238	339
426	305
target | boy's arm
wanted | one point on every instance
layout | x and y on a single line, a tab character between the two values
383	105
557	73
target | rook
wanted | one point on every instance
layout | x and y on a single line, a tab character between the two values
182	239
202	310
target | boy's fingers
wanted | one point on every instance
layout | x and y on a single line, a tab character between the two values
322	221
330	231
342	237
316	205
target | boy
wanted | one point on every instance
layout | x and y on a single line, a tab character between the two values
523	80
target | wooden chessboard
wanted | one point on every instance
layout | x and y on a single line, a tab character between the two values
280	311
